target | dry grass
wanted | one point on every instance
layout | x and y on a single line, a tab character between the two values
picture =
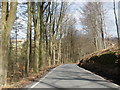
100	52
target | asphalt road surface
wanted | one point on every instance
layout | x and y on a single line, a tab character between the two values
71	76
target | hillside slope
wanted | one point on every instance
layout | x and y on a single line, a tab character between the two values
105	63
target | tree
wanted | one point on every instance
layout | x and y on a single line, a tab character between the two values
93	22
116	22
29	40
36	20
8	18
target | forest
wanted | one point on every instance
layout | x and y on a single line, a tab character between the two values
35	35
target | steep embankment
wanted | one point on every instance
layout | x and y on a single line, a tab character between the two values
105	63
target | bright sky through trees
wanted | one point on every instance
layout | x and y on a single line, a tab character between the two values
74	12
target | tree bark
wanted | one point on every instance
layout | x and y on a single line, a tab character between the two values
29	53
116	22
7	23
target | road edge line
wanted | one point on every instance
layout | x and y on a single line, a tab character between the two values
99	76
44	77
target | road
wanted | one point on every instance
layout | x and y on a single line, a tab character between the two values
71	76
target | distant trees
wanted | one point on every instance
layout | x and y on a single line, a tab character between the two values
93	22
68	41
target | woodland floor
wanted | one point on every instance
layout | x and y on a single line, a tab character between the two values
33	77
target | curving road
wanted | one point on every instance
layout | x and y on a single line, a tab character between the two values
71	76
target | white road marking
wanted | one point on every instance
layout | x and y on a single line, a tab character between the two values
61	65
99	77
43	78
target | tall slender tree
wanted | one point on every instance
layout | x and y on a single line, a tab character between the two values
8	18
29	39
116	22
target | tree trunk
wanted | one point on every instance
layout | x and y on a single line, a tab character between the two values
7	23
41	50
29	39
116	21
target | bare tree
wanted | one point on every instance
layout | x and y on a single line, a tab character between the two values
93	22
8	18
116	22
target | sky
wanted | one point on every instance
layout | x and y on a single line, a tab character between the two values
110	20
